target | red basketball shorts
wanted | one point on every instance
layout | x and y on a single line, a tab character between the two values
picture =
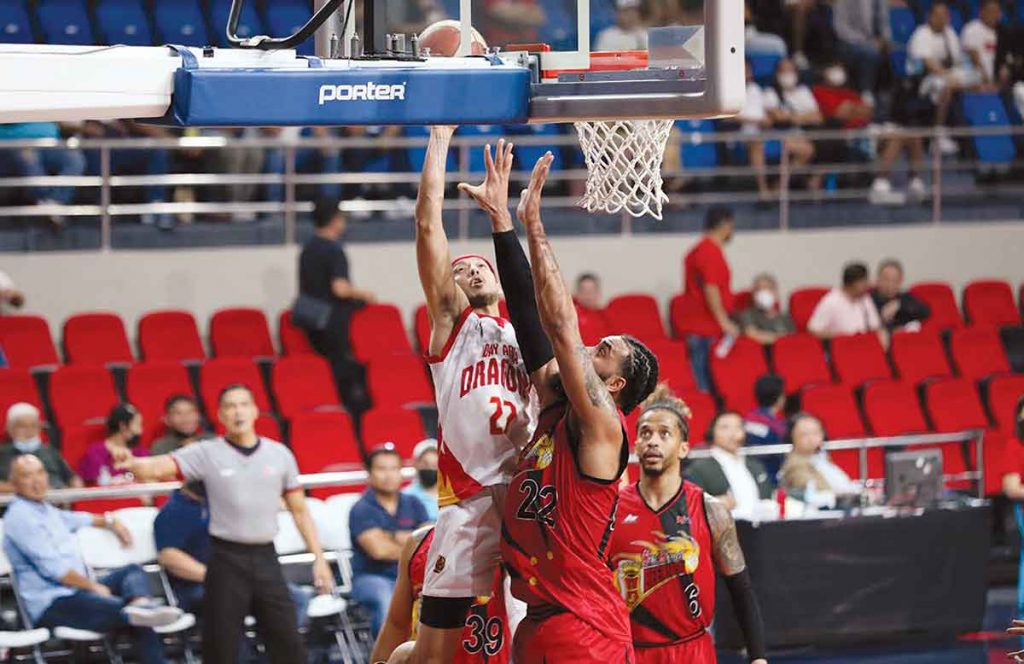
565	639
696	651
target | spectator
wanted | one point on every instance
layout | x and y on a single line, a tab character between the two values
381	522
935	44
181	417
512	21
124	430
738	480
10	296
791	105
979	39
766	424
707	297
1013	488
590	308
842	106
764	321
807	473
40	162
846	310
23	429
424	459
881	188
628	33
1009	64
753	119
862	28
53	581
376	157
761	43
897	308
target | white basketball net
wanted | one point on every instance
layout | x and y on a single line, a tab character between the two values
624	165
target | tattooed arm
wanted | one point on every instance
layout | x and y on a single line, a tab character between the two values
594	410
729	561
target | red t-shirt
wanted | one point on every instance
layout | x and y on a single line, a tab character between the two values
830	99
704	264
1012	457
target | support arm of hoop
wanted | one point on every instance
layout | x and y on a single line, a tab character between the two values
275	43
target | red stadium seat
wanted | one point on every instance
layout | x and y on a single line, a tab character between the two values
292	337
978	352
859	358
990	302
702	409
735	374
240	332
892	409
303	383
919	355
942	302
741	300
637	315
104	505
835	406
217	374
402	427
150	384
76	439
26	342
17	385
800	360
421	326
96	339
677	315
673	365
376	331
81	395
170	336
1003	393
802	303
322	442
266	426
953	406
594	325
398	381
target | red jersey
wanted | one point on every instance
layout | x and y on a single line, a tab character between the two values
486	637
830	98
556	529
663	566
704	264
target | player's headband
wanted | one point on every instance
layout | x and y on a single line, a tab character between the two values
468	256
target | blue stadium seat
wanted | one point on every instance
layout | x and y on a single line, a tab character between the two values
181	22
249	24
416	155
902	24
15	25
762	66
898	62
956	19
123	22
285	17
696	152
64	22
987	110
527	155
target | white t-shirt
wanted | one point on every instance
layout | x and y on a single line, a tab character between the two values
838	315
753	107
926	44
741	481
976	36
798	100
614	38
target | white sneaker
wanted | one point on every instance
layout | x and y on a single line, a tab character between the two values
882	194
916	191
947	146
151	615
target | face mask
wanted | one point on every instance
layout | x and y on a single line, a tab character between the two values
427	477
764	299
27	446
836	76
788	80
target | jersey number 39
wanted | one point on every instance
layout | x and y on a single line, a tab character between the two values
486	635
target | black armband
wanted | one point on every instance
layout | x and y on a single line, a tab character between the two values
445	612
517	282
748	613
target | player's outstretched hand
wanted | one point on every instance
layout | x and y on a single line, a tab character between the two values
529	200
492	194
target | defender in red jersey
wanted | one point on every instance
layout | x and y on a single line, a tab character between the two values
560	506
486	635
669	539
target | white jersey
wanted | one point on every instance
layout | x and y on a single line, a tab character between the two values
486	406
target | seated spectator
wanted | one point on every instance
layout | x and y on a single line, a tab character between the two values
124	429
40	162
753	119
23	429
590	308
766	424
761	43
980	41
935	44
790	105
842	106
512	21
807	473
894	144
181	417
898	309
629	32
10	296
739	481
1013	488
424	459
1009	64
862	28
848	309
53	581
764	321
381	522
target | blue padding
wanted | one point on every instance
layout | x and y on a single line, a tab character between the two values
308	97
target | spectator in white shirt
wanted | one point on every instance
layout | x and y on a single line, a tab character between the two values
789	104
979	40
628	33
848	309
761	43
808	474
753	120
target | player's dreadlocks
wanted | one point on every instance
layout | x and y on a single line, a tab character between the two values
663	399
641	373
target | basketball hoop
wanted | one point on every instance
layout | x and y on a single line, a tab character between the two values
624	165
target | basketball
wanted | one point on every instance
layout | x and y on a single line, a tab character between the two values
443	37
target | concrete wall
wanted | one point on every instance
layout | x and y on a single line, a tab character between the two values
134	282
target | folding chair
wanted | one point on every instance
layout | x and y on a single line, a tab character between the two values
23	639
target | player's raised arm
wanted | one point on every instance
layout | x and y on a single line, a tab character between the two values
592	403
445	300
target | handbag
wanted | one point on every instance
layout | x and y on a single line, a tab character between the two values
311	313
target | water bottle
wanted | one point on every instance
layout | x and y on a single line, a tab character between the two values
104	478
724	346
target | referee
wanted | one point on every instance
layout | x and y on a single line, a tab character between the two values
245	477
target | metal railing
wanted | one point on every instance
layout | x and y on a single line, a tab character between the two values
937	171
